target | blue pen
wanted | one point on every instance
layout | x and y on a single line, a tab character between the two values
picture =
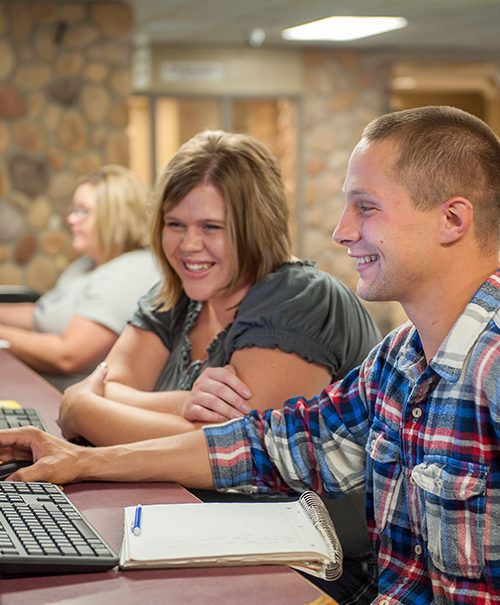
136	527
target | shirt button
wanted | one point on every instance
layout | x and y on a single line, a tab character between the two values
384	602
412	480
416	412
418	550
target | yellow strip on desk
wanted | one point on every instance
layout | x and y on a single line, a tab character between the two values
9	403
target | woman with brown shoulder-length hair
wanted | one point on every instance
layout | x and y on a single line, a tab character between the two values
231	294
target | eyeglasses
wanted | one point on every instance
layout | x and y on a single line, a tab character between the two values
81	213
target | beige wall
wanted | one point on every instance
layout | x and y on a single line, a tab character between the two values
64	85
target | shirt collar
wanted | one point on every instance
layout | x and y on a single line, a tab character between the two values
411	357
483	307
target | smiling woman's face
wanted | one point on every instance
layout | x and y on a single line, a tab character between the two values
196	243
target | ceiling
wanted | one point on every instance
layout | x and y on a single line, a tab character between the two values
445	29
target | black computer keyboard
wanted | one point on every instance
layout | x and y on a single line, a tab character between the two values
41	531
14	418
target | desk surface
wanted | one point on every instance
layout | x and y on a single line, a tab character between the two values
102	504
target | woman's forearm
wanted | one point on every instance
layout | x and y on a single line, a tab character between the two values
105	422
87	411
19	315
168	402
83	343
42	352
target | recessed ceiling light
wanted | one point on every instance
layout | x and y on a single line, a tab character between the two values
257	37
343	28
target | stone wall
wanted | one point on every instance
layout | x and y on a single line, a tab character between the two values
343	92
64	84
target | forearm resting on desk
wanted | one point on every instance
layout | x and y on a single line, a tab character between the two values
104	422
168	402
19	314
83	343
40	351
87	412
182	458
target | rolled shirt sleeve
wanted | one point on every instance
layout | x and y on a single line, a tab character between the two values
303	446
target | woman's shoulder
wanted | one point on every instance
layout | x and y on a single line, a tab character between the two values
81	266
295	282
166	324
149	305
132	272
295	308
296	294
305	310
132	259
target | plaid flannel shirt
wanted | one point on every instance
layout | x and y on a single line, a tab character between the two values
423	439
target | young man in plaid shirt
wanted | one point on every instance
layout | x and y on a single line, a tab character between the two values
418	423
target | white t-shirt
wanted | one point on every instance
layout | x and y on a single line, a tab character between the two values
107	295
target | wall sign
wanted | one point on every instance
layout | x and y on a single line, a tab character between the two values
191	71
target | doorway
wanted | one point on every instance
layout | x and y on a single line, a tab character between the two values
159	125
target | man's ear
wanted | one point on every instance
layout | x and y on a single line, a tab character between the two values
456	219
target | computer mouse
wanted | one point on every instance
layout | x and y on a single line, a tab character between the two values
7	468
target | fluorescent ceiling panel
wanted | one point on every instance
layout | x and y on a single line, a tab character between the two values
344	28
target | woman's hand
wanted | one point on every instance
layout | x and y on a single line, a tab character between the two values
54	460
76	395
217	395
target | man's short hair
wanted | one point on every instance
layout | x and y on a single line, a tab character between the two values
248	177
445	152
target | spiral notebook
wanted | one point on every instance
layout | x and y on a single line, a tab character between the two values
299	534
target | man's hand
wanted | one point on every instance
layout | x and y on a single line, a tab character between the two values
54	460
182	458
217	395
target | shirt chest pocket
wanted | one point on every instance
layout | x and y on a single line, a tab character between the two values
452	503
385	458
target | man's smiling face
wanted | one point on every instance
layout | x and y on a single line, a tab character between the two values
393	243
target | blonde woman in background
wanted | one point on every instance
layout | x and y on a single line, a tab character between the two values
71	328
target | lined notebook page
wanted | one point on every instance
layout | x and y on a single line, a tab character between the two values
189	531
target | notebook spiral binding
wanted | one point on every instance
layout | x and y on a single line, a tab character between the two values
317	512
